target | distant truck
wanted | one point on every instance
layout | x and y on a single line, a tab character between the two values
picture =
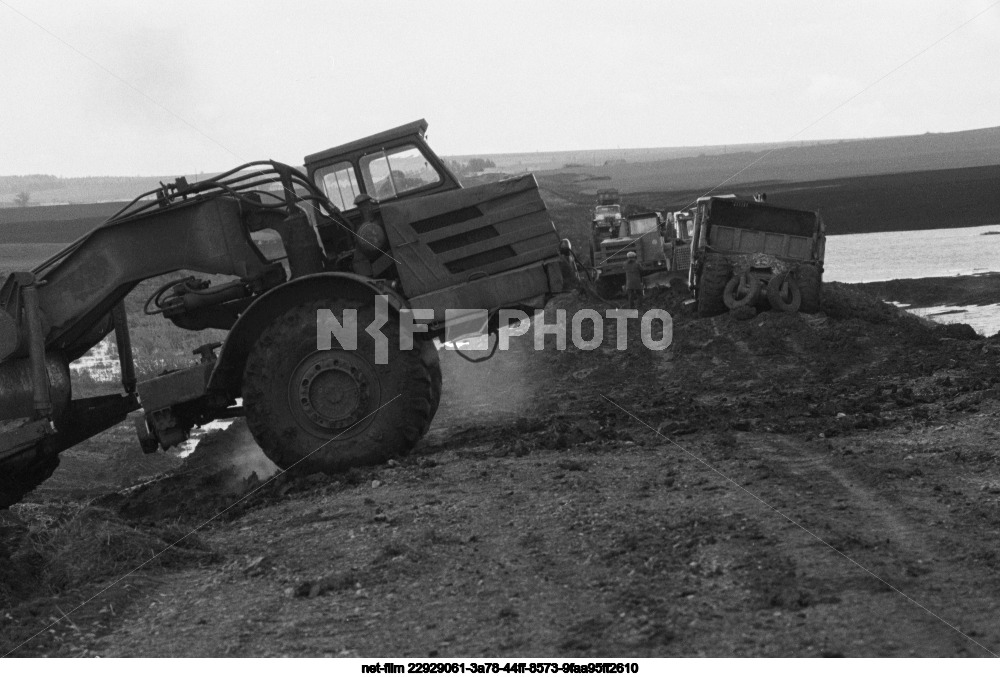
606	219
640	233
609	196
746	250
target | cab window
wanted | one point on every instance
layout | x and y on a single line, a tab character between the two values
389	173
340	184
647	224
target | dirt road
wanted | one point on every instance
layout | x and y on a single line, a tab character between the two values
781	486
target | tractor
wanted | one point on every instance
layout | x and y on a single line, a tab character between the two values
332	284
641	233
746	251
606	219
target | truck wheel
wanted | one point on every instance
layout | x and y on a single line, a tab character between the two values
715	275
783	293
329	410
741	290
811	286
22	473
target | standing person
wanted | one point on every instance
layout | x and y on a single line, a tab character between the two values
633	280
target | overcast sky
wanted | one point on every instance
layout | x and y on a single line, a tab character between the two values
131	87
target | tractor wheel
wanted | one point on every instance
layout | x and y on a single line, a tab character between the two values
25	471
783	293
328	410
432	363
741	291
715	275
810	281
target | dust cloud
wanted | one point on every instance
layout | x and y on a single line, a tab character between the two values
229	455
502	388
235	455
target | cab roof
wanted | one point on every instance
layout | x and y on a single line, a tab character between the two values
417	127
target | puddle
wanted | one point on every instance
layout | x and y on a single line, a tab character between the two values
984	319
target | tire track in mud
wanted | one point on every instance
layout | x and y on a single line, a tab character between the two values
891	538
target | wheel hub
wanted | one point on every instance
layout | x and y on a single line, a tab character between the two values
332	390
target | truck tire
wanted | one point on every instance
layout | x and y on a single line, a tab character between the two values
810	281
783	293
22	473
741	290
715	274
315	410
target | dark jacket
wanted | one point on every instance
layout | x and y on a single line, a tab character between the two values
633	275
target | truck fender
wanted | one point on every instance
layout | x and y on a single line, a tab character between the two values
228	374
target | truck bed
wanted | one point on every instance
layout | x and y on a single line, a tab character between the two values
740	241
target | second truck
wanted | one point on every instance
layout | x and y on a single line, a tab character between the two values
745	252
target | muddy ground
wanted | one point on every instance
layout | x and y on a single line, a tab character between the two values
781	485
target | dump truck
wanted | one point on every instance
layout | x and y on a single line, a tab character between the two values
746	252
640	233
335	282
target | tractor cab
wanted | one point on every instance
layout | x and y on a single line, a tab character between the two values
386	166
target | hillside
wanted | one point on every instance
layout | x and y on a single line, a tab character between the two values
889	202
49	190
636	169
864	157
951	198
900	183
53	223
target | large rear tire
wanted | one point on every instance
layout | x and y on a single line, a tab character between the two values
432	363
741	290
329	410
21	474
810	281
712	283
783	293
